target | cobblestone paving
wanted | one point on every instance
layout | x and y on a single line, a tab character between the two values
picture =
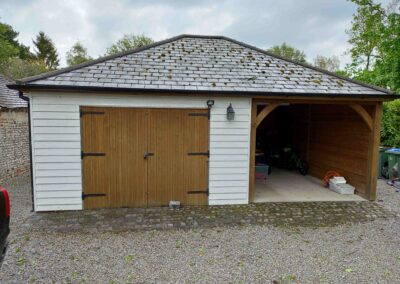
303	214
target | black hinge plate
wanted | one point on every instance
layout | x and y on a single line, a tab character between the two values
84	154
83	112
199	192
199	153
199	114
93	195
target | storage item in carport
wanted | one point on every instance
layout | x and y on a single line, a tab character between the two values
261	173
342	188
328	176
337	180
260	158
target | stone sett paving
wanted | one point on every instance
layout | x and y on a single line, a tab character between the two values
303	214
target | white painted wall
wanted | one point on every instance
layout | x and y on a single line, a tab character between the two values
55	126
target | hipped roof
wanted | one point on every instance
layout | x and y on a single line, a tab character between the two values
201	64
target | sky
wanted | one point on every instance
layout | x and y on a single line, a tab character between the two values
315	26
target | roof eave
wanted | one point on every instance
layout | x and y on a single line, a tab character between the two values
59	88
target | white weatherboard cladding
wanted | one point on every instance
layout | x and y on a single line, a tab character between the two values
55	126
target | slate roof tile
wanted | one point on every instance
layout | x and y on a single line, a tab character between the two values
204	63
9	98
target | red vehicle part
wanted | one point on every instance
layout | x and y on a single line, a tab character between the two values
7	201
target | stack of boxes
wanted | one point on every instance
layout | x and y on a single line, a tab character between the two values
340	185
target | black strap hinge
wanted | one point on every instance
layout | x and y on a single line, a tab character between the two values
93	195
84	154
200	114
199	192
199	153
83	112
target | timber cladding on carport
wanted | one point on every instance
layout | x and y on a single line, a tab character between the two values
338	139
124	175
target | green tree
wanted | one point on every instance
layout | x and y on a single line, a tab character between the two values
375	52
331	64
17	68
9	45
77	54
366	33
386	71
375	40
46	51
129	42
7	50
288	52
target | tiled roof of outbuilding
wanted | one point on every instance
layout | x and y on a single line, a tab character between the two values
202	63
9	98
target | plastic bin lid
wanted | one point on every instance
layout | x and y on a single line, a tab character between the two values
394	151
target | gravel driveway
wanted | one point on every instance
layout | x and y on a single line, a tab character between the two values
358	253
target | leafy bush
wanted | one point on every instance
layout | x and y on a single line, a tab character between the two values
390	132
16	68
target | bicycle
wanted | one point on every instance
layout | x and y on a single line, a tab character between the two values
296	163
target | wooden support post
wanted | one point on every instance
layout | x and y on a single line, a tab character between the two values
265	112
364	115
253	132
373	152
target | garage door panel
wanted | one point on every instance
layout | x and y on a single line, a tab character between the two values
125	176
166	167
113	153
119	134
196	164
133	172
94	167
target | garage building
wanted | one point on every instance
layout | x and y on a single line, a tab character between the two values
179	120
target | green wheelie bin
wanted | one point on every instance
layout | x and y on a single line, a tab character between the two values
383	159
393	159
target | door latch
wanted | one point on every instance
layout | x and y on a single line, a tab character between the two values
148	154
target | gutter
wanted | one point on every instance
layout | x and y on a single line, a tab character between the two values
21	95
23	87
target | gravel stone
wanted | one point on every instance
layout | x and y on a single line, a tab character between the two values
367	252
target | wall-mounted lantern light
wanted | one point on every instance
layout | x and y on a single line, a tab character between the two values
230	112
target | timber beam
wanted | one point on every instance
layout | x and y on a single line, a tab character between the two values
364	115
265	112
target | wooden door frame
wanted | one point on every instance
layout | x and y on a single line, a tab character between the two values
81	107
373	122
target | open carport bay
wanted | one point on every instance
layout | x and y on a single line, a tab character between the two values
324	137
288	186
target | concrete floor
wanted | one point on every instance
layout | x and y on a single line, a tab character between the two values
287	186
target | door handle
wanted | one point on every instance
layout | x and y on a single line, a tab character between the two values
148	154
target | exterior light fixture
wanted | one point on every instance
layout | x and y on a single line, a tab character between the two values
230	112
210	103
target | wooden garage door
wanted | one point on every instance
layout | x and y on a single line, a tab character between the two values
144	157
179	167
